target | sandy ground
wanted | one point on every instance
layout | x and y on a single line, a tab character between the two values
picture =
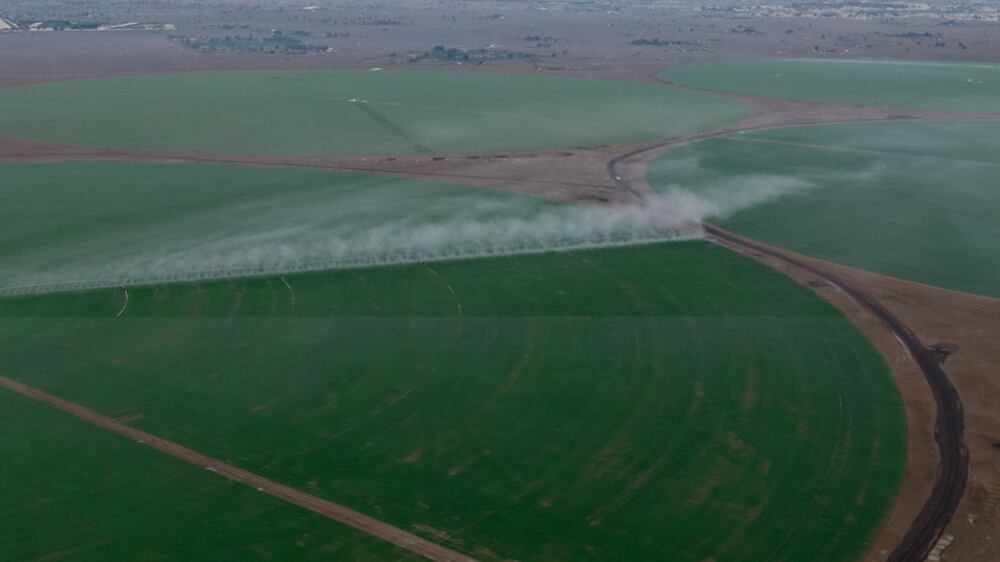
594	39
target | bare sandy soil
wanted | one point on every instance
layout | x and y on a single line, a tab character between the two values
571	38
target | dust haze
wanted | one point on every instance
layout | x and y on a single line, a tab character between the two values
310	236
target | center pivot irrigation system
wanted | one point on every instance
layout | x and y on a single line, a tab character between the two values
349	262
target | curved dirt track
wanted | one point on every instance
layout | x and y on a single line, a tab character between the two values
954	468
949	486
328	509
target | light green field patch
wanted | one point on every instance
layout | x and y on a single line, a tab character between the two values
115	224
349	112
667	402
87	221
915	200
903	84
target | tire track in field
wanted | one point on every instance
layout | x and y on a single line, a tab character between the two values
328	509
392	128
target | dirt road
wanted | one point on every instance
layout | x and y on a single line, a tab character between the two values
328	509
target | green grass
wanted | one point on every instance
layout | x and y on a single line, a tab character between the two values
903	84
310	112
915	200
664	402
71	491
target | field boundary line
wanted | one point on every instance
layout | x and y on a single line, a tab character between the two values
339	513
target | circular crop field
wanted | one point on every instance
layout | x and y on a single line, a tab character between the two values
904	84
666	401
915	200
634	403
354	112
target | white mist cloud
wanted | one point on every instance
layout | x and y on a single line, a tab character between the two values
313	237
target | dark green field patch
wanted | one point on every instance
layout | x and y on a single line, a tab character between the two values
668	402
71	491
